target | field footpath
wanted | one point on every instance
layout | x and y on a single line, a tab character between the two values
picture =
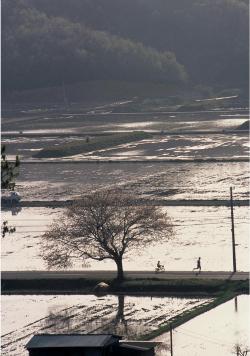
160	202
90	160
100	133
187	315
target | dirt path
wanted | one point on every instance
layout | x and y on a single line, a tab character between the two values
65	203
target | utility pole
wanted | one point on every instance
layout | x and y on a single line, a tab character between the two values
235	304
232	229
171	340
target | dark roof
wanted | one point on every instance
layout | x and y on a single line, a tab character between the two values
139	345
71	340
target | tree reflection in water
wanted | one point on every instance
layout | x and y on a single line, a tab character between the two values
107	319
61	321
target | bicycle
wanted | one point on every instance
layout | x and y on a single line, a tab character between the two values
159	269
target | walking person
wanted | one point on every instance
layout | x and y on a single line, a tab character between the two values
198	266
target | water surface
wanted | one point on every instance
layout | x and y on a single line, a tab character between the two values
214	333
130	317
157	181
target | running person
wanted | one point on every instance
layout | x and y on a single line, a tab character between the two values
198	267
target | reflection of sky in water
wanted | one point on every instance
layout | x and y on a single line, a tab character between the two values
43	131
174	146
157	181
215	332
216	146
199	231
135	125
125	316
209	120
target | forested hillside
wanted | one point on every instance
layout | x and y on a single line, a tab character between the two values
41	51
47	42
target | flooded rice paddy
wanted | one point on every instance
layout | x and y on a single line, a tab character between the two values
198	146
176	147
217	332
131	317
110	121
155	181
198	231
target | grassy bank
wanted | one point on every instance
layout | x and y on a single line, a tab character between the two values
222	291
92	144
204	287
196	287
189	314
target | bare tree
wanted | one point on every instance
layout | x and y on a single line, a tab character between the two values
104	225
240	350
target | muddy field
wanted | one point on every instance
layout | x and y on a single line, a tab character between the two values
123	315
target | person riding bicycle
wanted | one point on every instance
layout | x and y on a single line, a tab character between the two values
159	267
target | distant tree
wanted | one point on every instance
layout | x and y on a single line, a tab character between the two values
104	225
239	350
9	170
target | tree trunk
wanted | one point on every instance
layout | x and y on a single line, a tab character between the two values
120	274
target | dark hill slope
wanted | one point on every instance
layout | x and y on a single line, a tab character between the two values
44	51
209	37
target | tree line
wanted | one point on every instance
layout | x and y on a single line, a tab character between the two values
41	51
45	43
209	37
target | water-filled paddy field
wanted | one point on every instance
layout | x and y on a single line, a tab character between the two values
216	332
159	147
156	181
198	231
177	147
203	231
110	122
131	317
